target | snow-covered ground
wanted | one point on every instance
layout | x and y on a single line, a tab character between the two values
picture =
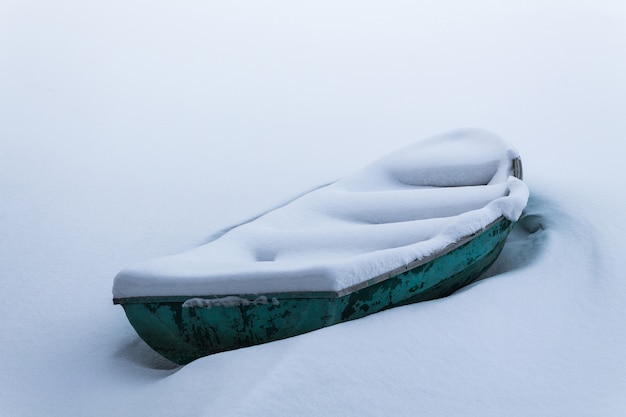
131	130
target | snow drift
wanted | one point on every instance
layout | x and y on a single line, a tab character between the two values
407	205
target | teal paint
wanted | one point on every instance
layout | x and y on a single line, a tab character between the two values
220	323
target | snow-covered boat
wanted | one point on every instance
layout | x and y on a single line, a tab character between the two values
415	225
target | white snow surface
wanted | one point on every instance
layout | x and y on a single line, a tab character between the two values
399	209
131	130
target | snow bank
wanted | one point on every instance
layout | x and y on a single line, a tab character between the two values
401	208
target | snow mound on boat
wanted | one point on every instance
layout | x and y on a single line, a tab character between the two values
401	208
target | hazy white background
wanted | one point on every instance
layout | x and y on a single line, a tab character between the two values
135	129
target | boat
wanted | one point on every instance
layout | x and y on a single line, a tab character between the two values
416	225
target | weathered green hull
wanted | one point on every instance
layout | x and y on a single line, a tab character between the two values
211	324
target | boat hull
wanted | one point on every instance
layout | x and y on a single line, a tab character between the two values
185	328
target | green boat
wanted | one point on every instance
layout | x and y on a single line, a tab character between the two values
305	266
